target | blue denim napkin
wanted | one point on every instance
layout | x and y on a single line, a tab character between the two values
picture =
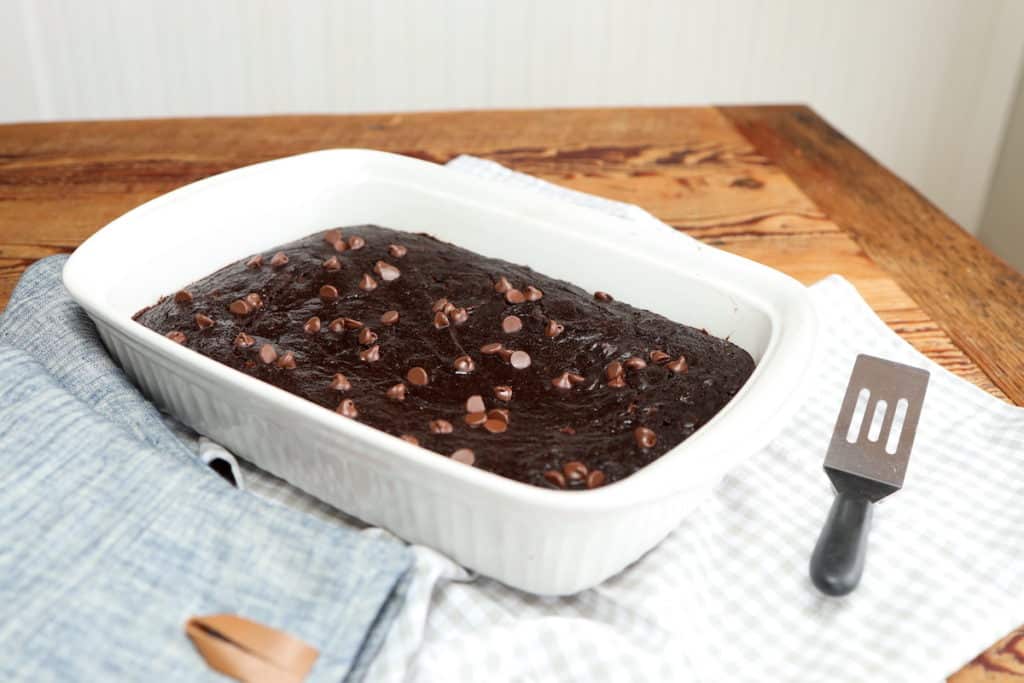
112	533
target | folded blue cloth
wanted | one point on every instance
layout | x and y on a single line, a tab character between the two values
112	534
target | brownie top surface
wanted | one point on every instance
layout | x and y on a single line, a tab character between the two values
485	361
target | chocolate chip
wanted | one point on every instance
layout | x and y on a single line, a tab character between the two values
511	324
286	361
576	379
347	407
439	305
367	336
337	325
240	307
575	470
370	355
503	392
554	328
203	321
397	250
356	242
243	341
595	479
459	316
464	365
389	318
520	360
613	370
329	293
532	293
332	236
367	283
679	365
448	309
340	383
514	296
267	354
568	430
351	323
441	320
410	438
340	246
176	336
279	259
312	325
387	272
417	376
498	414
397	392
645	438
464	455
475	404
475	419
441	427
617	382
491	348
505	354
635	363
254	262
602	296
495	426
660	357
254	300
555	477
562	381
332	264
502	285
183	297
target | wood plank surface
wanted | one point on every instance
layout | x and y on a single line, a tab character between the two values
779	186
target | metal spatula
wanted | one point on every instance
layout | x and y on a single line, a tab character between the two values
866	461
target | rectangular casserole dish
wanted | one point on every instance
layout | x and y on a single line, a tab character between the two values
541	541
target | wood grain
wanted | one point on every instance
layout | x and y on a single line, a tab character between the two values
762	190
976	298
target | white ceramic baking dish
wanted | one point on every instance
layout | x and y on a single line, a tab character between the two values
538	540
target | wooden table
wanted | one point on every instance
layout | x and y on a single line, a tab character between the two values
775	184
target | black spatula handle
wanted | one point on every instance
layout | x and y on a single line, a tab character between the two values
838	559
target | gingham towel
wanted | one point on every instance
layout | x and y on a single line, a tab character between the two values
726	596
112	535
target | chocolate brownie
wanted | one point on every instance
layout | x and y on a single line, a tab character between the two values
484	361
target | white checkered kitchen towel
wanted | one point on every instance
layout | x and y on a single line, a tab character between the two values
726	596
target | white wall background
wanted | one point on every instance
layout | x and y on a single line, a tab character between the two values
924	85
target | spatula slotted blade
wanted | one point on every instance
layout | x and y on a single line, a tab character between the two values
876	466
867	460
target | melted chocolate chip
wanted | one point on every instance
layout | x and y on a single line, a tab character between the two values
240	307
556	478
340	246
367	336
410	438
254	262
502	285
635	363
617	382
177	336
183	297
514	296
340	383
475	404
495	426
351	324
397	392
332	236
243	341
329	293
332	264
279	259
203	321
370	355
562	381
511	324
503	392
387	272
645	438
491	348
533	294
660	357
356	242
614	370
389	318
439	305
602	296
286	361
254	300
553	328
417	376
397	250
520	360
459	315
575	470
475	419
312	325
347	407
678	366
267	354
595	479
464	455
464	365
441	320
498	414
